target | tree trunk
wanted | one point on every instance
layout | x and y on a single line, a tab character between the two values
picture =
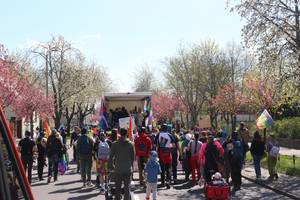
68	126
57	119
69	117
194	117
233	122
81	119
187	120
31	125
227	121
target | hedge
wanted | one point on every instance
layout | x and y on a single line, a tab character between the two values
287	128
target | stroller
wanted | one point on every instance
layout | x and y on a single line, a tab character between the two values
217	189
110	187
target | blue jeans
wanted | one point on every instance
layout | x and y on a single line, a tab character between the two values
256	162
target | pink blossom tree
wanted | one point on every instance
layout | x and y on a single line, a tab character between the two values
11	83
228	101
164	106
18	94
260	93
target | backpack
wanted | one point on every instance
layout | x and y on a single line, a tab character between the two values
238	150
84	145
274	151
103	150
142	147
211	153
194	147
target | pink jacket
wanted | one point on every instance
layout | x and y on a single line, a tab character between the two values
203	148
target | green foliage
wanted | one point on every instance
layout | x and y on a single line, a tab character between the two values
284	164
287	128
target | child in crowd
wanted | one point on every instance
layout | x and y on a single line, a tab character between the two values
102	161
152	169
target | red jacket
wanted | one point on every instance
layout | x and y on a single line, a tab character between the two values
143	145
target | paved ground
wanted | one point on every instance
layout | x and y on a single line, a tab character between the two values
68	187
289	152
285	183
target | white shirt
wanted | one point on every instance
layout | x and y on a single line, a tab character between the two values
164	137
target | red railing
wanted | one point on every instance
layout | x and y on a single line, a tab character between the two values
17	163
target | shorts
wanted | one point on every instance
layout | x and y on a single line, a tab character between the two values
102	167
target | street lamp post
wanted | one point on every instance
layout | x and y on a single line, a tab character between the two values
46	74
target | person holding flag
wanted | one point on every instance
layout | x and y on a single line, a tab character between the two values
265	121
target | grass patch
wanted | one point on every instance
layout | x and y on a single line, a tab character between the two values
284	164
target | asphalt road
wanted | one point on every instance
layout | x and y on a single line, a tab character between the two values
68	187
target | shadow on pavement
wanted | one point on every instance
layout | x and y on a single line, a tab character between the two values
39	184
87	196
71	190
68	183
184	186
85	190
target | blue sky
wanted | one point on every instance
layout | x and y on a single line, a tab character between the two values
120	35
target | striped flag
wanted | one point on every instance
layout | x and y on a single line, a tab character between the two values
264	120
102	117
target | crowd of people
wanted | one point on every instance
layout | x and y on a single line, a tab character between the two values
201	153
113	116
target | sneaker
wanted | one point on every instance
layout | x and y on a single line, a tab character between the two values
49	179
90	184
168	186
102	190
83	185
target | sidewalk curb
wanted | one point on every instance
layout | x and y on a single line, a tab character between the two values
292	196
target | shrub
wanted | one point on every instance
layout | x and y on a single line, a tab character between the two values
287	128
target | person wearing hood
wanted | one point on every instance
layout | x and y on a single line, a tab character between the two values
143	146
152	169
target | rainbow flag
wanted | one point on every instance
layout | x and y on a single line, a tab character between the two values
264	120
102	122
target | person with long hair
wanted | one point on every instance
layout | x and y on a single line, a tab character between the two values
194	147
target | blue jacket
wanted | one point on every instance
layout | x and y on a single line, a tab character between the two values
152	169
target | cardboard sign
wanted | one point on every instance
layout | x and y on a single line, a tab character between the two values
205	122
124	122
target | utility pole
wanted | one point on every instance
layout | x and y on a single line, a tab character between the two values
47	75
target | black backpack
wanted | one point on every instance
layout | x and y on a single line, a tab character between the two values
84	145
211	155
